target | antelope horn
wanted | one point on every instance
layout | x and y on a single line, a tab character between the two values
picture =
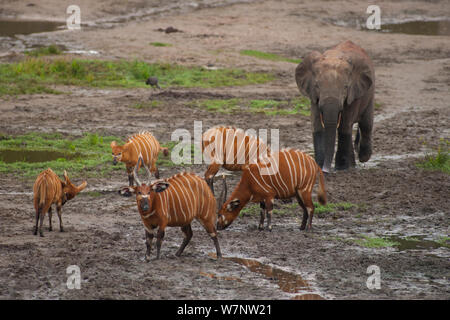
135	171
223	193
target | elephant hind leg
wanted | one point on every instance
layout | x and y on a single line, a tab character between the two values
365	128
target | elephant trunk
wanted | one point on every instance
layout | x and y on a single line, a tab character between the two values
331	116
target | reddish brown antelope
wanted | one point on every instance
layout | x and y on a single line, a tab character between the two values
174	202
142	144
49	189
293	174
231	149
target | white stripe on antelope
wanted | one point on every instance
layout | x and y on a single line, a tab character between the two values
285	174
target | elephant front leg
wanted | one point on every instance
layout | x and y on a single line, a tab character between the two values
345	156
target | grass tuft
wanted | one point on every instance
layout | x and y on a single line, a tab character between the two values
44	51
439	160
268	56
160	44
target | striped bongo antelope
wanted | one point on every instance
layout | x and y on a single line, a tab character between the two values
174	202
230	148
49	189
295	175
142	143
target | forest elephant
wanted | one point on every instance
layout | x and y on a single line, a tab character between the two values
340	84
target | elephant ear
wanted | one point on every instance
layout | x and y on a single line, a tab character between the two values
361	79
304	75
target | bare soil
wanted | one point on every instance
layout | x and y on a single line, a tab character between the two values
104	235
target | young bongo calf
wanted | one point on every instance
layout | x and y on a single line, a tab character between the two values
295	175
49	189
174	202
142	144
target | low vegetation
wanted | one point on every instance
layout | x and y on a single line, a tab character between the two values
44	51
299	105
160	44
36	74
439	160
375	242
268	56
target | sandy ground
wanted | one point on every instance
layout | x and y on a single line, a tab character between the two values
104	235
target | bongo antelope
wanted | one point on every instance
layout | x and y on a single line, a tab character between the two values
293	174
174	202
49	189
142	144
230	148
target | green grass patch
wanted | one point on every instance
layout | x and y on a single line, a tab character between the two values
300	105
88	155
44	51
332	207
42	72
268	56
375	242
438	160
160	44
218	105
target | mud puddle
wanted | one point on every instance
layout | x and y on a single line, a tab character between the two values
428	28
10	28
414	243
32	156
288	282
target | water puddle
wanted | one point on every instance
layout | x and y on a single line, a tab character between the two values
10	28
429	28
32	156
288	282
415	243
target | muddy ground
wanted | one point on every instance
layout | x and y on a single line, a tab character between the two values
104	235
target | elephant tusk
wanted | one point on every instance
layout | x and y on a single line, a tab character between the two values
339	120
321	121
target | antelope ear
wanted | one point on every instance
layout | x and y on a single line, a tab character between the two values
160	186
81	186
126	191
66	176
233	204
113	144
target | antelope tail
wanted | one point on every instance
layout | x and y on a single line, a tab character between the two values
322	194
42	192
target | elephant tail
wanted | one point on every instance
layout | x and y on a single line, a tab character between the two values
322	194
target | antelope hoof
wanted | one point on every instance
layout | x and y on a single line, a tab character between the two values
260	227
147	258
50	229
61	229
41	234
269	228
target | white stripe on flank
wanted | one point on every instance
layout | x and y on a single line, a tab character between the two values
294	181
257	180
191	195
300	170
180	199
